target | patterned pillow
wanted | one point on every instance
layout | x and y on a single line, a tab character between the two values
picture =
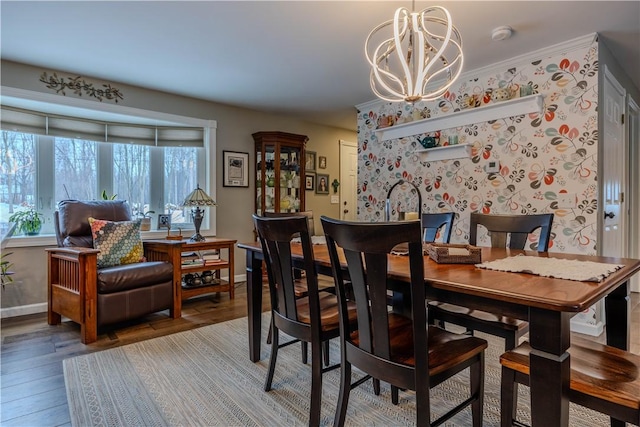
118	242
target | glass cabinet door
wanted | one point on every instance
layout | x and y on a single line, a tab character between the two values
289	182
279	172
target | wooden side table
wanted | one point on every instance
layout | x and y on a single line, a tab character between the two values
220	285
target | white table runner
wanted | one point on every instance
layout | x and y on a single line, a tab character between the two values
570	269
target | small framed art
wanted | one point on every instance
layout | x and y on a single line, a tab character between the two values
164	221
235	169
322	185
322	162
309	181
310	161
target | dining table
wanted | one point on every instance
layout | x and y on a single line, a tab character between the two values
547	303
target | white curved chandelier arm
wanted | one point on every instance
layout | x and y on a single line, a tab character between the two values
398	35
445	41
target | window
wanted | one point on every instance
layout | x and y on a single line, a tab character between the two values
17	171
75	168
153	173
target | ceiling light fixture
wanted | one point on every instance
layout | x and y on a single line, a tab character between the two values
424	50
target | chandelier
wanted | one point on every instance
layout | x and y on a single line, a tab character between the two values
420	61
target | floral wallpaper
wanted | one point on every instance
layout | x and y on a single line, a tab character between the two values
540	156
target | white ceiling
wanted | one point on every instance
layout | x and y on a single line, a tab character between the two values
303	58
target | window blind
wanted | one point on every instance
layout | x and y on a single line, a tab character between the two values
27	121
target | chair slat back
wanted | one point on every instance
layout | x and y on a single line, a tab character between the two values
432	222
307	214
366	248
515	228
276	235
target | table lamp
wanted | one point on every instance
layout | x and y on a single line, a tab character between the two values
196	199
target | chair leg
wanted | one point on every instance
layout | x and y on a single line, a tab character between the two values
376	386
510	342
272	359
304	346
316	384
476	376
394	395
343	396
508	396
325	352
269	334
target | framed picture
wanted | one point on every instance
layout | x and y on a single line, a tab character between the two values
310	161
235	169
309	181
322	185
164	221
322	162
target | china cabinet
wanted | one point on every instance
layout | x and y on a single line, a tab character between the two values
279	172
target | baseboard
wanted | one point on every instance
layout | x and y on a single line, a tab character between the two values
587	329
23	310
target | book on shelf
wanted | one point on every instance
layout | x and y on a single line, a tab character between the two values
194	263
189	256
211	256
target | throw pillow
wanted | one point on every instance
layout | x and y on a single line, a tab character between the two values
118	242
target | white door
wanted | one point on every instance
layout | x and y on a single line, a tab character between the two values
614	169
348	180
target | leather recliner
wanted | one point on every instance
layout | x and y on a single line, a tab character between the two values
94	297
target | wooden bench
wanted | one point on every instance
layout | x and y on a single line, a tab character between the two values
603	378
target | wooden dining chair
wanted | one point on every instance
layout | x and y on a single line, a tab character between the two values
312	319
432	223
401	350
605	379
510	231
300	282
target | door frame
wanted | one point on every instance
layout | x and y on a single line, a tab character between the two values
343	143
624	178
633	146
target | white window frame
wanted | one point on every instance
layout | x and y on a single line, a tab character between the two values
63	105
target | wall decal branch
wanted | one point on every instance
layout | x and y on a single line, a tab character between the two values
80	86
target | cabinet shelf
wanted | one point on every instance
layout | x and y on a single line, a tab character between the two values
496	110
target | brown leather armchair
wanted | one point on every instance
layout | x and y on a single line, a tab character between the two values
94	297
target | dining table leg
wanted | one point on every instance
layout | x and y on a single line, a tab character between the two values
550	338
254	303
617	307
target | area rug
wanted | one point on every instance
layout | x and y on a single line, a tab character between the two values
203	377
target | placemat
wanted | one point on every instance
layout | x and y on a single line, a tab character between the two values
570	269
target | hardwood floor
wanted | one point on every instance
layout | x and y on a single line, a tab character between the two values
32	384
